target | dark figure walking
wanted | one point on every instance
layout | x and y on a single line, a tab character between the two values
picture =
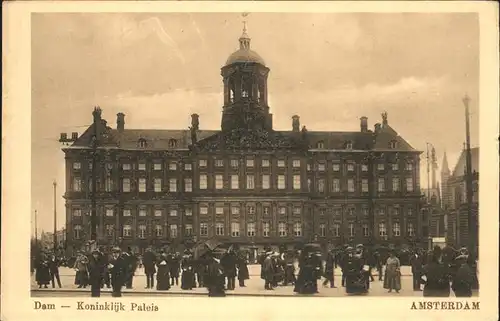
163	275
42	273
214	279
416	270
228	262
131	266
329	270
96	270
174	265
187	267
54	271
149	261
437	283
289	269
463	278
118	268
243	274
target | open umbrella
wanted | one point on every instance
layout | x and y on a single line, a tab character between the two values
203	248
312	247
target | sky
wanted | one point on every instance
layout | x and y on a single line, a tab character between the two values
329	68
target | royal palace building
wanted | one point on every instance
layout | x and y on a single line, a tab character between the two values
245	183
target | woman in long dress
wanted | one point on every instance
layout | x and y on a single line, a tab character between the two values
392	279
163	275
437	276
307	279
42	273
463	278
187	277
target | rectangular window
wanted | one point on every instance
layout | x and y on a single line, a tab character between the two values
351	211
203	210
281	163
297	211
322	230
337	211
142	166
108	184
296	182
173	231
250	182
395	211
251	210
366	231
336	167
142	212
203	229
296	163
265	163
234	163
336	185
77	212
308	167
235	229
188	212
158	230
77	165
127	230
411	231
297	229
395	184
382	231
380	167
336	230
172	166
188	229
364	185
219	182
282	229
381	184
142	232
126	185
110	212
395	167
77	231
157	185
266	210
142	185
409	212
188	185
203	181
250	162
126	167
381	211
409	184
219	229
282	210
127	212
396	229
235	210
158	213
351	229
172	184
77	184
202	163
266	182
157	166
281	182
219	210
173	212
364	211
350	185
322	211
188	166
364	168
321	185
219	163
321	167
235	182
408	166
266	228
110	230
350	167
251	229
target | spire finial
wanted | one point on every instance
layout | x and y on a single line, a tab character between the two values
244	39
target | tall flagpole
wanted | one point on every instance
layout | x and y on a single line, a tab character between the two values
55	216
471	220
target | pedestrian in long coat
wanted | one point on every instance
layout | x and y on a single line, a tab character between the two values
187	267
243	274
54	271
149	261
268	271
416	270
437	276
42	275
289	269
228	262
392	280
96	270
174	265
214	279
463	278
118	268
329	270
81	266
163	274
307	279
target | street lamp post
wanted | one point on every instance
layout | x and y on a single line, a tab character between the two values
55	217
471	219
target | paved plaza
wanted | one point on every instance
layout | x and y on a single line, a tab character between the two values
254	287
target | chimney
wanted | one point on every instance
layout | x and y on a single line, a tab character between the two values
295	123
364	124
97	114
74	136
195	122
378	126
120	122
384	118
64	137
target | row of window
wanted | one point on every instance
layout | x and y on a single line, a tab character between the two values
142	231
235	210
233	182
250	163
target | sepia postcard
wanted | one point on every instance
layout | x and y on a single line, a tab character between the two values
250	160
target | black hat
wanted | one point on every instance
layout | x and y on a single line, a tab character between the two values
116	250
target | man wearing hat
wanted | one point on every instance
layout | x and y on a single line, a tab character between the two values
268	271
118	269
462	278
96	270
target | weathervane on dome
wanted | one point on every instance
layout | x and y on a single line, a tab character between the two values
245	39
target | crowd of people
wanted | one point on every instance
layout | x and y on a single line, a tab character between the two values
439	271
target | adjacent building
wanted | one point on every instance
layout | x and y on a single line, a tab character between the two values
246	182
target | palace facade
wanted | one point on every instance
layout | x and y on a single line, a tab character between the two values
245	183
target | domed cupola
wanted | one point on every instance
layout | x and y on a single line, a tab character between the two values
245	89
245	54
